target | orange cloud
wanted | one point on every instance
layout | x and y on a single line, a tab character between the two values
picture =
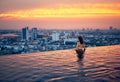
68	11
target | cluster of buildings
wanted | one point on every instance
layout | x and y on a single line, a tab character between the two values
54	35
37	40
26	35
32	34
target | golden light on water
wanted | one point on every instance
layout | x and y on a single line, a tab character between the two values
63	65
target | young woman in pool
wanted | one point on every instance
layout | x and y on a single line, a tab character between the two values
80	47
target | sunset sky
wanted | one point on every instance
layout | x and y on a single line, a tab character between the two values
59	14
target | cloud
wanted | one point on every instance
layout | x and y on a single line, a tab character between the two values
59	13
12	5
67	11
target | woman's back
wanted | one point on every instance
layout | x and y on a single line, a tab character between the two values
80	44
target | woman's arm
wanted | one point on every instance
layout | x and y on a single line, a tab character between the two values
77	46
84	47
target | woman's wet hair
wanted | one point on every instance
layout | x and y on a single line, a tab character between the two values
80	39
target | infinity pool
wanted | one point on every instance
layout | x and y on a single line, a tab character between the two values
100	64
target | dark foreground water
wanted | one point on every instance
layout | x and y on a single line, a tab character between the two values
100	64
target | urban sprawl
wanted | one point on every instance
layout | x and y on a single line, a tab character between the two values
37	40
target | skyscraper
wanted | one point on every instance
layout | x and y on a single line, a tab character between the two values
25	33
55	36
34	34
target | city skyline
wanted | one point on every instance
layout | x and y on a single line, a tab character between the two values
64	14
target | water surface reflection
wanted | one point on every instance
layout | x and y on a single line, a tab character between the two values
100	64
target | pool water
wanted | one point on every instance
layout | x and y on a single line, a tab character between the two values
100	64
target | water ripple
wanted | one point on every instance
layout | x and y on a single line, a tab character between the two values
100	64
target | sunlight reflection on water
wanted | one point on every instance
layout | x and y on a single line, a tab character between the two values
100	64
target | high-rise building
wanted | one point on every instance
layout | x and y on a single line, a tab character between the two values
34	34
25	34
55	36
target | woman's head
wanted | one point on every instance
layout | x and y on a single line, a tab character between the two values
80	39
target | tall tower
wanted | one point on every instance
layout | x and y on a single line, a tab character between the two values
25	33
55	36
34	34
